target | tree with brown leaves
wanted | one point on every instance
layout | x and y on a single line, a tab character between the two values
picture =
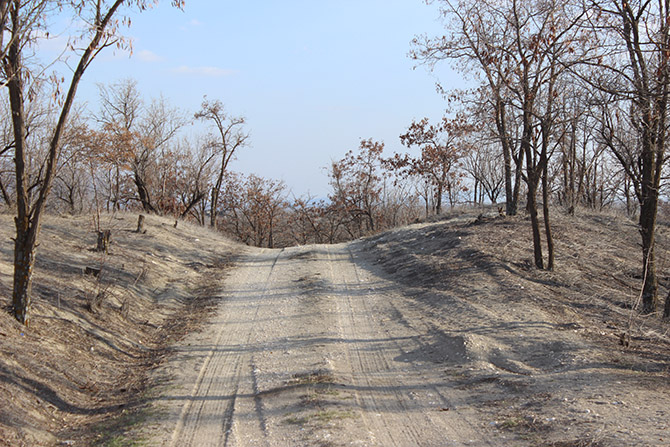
357	185
228	138
442	146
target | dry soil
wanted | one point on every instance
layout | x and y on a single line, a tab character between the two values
438	334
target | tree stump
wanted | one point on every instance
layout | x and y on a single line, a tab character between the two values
104	237
140	224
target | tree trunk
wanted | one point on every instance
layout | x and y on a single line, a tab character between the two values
510	195
438	200
104	237
535	224
24	259
475	196
5	195
650	281
216	192
214	205
533	174
545	211
116	204
142	191
517	181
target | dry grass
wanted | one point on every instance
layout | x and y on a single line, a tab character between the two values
594	287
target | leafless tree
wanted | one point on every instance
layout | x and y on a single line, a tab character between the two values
71	184
483	164
20	20
230	136
521	50
634	81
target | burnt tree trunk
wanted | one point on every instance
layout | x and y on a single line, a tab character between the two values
532	181
104	238
647	231
140	224
143	192
518	170
535	223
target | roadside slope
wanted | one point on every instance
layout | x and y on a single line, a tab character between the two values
82	364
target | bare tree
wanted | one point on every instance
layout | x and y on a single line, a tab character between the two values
483	164
230	136
522	49
634	67
21	20
72	179
194	180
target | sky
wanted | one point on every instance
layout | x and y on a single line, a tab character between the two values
311	77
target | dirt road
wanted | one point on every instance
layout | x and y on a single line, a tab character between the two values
375	343
306	349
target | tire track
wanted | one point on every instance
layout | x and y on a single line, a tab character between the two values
293	318
369	368
208	414
386	389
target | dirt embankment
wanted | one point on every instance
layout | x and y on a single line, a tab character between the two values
79	371
556	358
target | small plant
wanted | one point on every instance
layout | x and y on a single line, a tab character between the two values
512	422
97	295
326	416
116	432
295	420
312	378
319	417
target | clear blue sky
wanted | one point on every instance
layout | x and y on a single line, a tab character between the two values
312	77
